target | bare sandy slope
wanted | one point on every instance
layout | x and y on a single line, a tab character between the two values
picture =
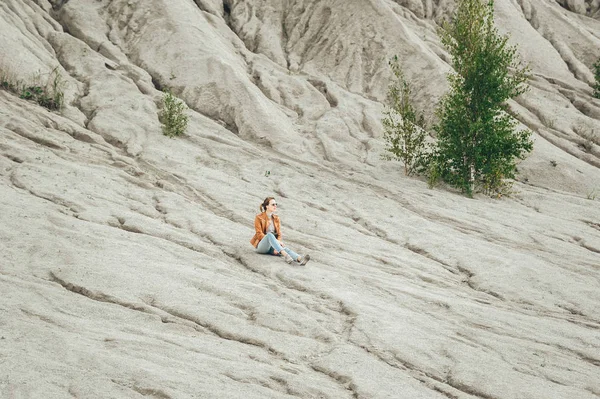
126	269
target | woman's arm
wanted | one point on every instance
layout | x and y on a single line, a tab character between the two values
260	233
277	226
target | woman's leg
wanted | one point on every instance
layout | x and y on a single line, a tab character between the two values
270	243
291	253
267	243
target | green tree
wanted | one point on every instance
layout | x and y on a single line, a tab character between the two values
173	115
404	131
478	143
596	67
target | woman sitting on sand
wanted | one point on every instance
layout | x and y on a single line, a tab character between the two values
267	239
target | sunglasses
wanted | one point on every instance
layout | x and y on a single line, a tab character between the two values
273	204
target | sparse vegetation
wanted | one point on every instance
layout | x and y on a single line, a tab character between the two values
596	67
478	143
592	195
588	135
8	79
173	116
46	89
550	122
404	129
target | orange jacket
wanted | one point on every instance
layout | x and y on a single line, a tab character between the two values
261	221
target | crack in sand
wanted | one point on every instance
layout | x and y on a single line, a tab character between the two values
43	318
468	275
274	383
347	316
222	333
151	392
507	333
422	252
392	360
285	387
593	225
144	391
580	355
344	381
174	316
460	386
71	206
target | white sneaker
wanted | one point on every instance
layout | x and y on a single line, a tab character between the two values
287	257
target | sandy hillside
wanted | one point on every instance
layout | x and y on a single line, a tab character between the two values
125	264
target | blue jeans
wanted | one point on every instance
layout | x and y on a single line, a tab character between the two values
269	244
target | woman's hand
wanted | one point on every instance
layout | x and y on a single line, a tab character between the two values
275	252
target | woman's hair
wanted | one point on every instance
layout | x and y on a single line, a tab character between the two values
263	206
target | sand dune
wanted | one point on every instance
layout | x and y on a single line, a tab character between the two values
126	269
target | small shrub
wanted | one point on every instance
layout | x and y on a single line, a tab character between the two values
404	131
173	115
496	185
433	171
56	86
